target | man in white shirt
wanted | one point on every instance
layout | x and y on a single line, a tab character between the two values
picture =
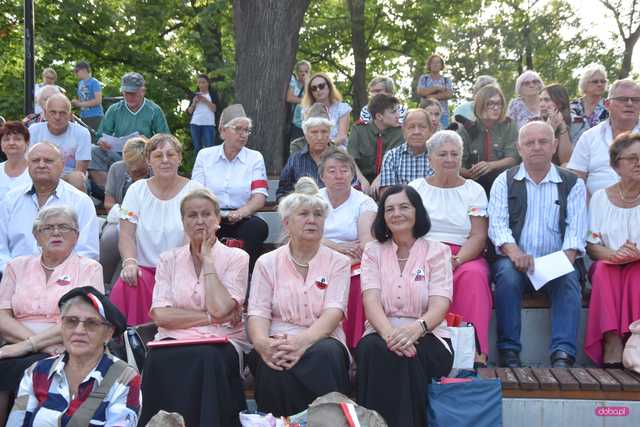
590	158
73	140
20	207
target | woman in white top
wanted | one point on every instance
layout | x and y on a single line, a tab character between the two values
150	223
457	208
320	88
13	172
347	228
612	243
236	175
203	115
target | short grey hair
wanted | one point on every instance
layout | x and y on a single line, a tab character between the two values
387	82
527	75
45	93
339	155
588	72
73	301
235	120
621	83
305	194
62	97
313	122
546	125
441	137
483	81
53	211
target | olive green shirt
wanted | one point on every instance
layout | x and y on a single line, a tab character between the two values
362	145
504	137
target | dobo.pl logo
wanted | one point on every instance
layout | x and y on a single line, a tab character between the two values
612	411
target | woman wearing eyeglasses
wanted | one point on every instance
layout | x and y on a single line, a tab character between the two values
612	243
526	106
237	176
490	141
320	88
29	292
150	224
84	386
589	109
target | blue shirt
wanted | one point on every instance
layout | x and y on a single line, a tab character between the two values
87	90
541	230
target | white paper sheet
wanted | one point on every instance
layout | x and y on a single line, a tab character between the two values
117	143
549	267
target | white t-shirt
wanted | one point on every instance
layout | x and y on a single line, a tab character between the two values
7	182
591	155
341	224
75	142
202	114
449	209
610	225
158	222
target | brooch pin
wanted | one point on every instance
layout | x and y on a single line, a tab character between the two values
322	283
419	275
64	280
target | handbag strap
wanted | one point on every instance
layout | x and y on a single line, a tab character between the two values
131	359
82	416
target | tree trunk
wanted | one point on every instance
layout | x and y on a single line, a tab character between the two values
266	35
629	45
360	54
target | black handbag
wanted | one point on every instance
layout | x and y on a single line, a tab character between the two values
130	348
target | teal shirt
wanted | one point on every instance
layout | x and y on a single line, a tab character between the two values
120	121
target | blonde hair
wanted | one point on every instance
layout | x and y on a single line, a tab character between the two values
200	193
160	139
483	96
305	194
334	95
133	149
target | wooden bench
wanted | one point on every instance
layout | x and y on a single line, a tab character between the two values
566	383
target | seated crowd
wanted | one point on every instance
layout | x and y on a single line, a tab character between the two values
388	225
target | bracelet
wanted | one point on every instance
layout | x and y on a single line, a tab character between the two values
126	260
32	344
425	327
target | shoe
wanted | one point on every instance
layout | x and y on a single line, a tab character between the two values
478	365
510	359
615	365
562	359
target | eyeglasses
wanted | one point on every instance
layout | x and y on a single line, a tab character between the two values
531	83
631	159
598	81
51	228
319	86
90	324
494	104
626	99
170	155
241	131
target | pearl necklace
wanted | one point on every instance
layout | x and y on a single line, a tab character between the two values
620	192
298	263
46	267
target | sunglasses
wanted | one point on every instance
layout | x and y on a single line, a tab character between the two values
598	81
532	82
319	86
90	325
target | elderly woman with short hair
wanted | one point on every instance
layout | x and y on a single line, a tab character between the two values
199	293
612	243
347	228
457	208
298	299
238	178
29	292
490	141
86	385
526	106
589	108
150	224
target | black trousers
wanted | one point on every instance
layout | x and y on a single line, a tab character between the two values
252	231
396	386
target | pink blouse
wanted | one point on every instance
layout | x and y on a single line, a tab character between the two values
279	293
178	286
405	294
25	289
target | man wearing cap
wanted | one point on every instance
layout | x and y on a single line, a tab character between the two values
238	178
134	113
368	143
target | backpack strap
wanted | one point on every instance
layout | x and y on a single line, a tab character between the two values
83	415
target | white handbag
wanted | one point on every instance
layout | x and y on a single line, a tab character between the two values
463	341
631	353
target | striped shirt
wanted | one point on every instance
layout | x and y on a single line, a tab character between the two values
541	231
43	397
401	166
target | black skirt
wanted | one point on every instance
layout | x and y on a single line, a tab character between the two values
200	382
396	386
323	368
12	369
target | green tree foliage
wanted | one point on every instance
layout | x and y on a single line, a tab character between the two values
508	37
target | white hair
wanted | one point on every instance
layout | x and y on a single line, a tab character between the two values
55	211
313	122
527	75
546	125
441	137
588	72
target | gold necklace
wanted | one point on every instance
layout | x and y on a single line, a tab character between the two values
620	191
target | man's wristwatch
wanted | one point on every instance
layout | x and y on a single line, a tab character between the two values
425	327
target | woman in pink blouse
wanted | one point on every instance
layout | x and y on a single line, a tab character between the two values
29	292
407	285
199	292
298	298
